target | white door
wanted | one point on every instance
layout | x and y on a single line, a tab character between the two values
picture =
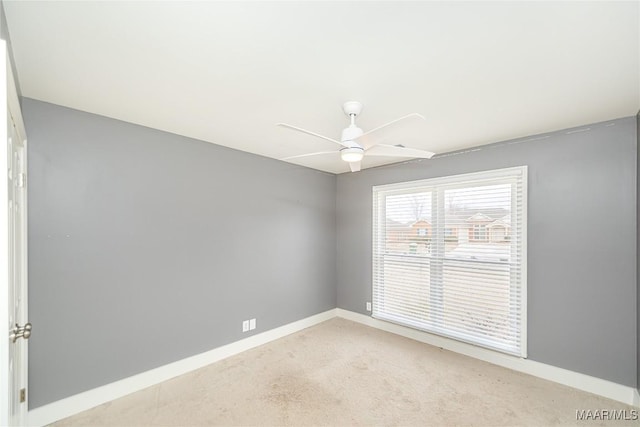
17	275
13	263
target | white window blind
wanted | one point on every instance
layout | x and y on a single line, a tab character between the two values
449	257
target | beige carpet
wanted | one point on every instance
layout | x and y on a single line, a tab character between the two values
342	373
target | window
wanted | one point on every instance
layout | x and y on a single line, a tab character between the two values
479	232
469	283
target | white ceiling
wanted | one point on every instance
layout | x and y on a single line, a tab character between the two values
226	72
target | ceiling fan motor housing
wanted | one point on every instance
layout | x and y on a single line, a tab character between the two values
351	133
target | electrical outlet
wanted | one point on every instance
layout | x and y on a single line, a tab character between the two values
245	325
252	324
368	306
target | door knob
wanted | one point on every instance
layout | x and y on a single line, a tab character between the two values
21	332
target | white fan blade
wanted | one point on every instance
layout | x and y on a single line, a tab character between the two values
396	151
311	133
355	166
367	139
310	154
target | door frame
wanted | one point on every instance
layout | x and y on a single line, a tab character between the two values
9	104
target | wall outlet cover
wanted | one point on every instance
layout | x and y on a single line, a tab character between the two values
245	325
368	306
252	324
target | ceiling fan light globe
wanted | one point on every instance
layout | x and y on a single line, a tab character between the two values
353	154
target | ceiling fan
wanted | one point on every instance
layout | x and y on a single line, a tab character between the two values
355	143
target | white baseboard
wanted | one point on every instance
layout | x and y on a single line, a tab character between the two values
608	389
89	399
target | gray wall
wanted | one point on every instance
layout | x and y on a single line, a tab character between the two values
638	252
147	247
581	241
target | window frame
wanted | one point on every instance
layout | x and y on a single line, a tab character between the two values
437	187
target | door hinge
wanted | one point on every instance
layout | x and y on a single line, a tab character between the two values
23	395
